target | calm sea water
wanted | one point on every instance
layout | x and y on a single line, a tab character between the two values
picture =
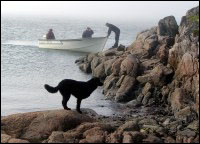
25	68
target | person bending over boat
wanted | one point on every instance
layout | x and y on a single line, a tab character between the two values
50	34
116	30
87	33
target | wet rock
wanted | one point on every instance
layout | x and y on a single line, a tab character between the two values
167	27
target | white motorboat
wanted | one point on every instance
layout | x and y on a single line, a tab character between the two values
89	45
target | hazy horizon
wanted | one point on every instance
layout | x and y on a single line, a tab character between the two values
99	10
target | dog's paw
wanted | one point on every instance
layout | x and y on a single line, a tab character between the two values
67	109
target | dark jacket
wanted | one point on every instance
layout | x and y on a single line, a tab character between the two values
50	35
87	34
113	28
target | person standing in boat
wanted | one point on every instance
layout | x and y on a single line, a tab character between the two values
87	33
116	30
50	34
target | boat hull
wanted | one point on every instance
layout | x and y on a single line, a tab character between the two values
88	45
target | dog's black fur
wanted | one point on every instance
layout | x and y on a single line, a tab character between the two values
79	89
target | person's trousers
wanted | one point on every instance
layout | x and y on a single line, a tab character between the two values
116	39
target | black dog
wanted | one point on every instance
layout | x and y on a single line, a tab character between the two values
79	89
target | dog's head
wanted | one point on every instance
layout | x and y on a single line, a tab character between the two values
97	81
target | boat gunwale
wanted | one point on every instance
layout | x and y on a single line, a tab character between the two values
80	39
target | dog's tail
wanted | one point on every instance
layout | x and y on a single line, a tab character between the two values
50	88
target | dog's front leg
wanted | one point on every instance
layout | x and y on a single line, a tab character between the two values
78	105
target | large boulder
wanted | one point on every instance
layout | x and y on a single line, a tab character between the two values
99	71
108	66
157	76
116	66
145	43
123	93
167	27
129	66
110	85
37	126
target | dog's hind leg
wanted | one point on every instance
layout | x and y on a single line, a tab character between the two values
64	103
66	97
78	105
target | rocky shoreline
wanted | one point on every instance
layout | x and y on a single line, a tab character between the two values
156	80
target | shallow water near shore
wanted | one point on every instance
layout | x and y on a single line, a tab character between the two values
25	68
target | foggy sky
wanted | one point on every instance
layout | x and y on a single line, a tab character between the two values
107	10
